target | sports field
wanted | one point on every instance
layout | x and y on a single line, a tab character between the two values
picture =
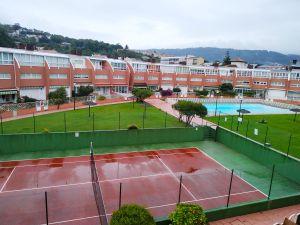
280	131
109	117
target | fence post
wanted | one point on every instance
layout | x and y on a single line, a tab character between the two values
46	207
271	182
247	128
166	120
1	125
119	120
143	119
93	122
288	150
230	186
33	123
145	109
266	135
219	118
132	102
89	110
65	122
120	196
231	123
180	187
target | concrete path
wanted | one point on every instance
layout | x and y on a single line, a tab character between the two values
269	217
167	107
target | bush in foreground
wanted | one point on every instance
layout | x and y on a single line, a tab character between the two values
132	127
132	215
188	214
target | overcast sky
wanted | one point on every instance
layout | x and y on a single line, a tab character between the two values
241	24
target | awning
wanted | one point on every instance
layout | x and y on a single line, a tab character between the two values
8	92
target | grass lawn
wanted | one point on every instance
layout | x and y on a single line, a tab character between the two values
278	129
105	118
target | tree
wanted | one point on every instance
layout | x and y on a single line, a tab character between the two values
226	87
176	90
141	94
189	110
188	214
132	215
202	93
166	92
58	97
227	59
5	39
85	90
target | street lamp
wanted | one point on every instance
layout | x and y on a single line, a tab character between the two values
217	93
241	100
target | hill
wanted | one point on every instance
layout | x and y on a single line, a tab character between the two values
251	56
17	36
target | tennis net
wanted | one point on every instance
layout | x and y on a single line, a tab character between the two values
97	189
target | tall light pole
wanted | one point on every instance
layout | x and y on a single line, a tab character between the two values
217	93
241	100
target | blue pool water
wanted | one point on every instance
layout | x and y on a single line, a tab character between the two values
254	108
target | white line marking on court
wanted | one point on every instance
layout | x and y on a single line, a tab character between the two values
7	179
77	219
99	160
230	171
176	177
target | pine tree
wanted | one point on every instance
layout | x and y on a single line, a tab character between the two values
227	59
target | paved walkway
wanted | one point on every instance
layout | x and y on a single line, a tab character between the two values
167	107
269	217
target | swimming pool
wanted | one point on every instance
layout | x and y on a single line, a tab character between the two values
254	108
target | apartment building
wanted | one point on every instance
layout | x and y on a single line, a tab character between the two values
35	74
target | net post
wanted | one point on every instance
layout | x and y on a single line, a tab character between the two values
119	120
1	124
46	207
230	186
33	122
91	149
120	196
219	118
266	135
180	187
65	122
166	119
231	123
271	181
288	150
145	109
247	129
89	110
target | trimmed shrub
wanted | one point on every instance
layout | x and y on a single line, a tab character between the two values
132	215
166	92
132	127
188	214
101	98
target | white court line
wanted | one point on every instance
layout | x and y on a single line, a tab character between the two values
176	177
230	171
99	160
89	182
153	207
7	179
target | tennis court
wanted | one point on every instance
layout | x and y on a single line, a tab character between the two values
158	180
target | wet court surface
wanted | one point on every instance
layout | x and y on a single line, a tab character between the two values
150	178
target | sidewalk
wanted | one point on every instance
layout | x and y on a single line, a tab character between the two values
261	218
25	113
167	107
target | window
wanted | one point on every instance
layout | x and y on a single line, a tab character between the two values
78	62
167	78
30	76
211	80
196	79
182	70
138	77
6	58
120	89
58	61
97	64
153	68
118	77
100	76
244	73
295	76
295	85
197	71
226	81
118	65
30	60
260	82
224	72
81	76
280	75
58	76
278	84
152	78
167	69
5	76
181	79
139	67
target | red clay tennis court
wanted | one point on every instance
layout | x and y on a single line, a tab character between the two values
149	178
